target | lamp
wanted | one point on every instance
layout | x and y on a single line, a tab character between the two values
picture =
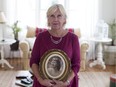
2	21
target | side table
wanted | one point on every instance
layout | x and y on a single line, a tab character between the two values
99	60
2	43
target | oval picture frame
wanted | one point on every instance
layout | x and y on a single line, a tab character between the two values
55	64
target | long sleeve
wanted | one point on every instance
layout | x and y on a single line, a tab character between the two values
75	61
35	55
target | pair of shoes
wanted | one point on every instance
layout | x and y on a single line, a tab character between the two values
27	80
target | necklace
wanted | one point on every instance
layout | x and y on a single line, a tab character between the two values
54	41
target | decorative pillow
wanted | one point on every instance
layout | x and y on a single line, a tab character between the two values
77	32
39	30
70	30
33	32
30	32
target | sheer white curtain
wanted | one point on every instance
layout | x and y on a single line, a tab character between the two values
81	14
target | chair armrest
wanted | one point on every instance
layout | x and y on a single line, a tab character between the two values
84	48
24	46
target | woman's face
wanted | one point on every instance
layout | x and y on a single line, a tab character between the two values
56	20
54	62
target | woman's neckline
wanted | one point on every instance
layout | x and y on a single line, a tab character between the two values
58	36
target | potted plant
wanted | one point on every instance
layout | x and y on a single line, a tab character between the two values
16	29
110	50
112	31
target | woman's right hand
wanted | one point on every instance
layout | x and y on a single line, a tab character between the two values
46	82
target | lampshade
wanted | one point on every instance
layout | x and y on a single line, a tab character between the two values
2	17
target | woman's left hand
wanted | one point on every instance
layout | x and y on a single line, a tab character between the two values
59	83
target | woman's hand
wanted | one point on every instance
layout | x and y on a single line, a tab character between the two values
46	82
59	84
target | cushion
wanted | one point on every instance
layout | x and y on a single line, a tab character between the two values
70	30
30	32
33	32
39	30
77	32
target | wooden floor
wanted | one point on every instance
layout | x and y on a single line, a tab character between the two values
92	77
17	63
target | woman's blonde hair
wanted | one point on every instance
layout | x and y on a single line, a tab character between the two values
54	8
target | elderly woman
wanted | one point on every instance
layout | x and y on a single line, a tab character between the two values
57	37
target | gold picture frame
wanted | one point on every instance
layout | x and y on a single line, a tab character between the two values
55	64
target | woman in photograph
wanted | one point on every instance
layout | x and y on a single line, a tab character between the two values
54	66
57	37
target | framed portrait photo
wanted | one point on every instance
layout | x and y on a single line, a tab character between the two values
55	64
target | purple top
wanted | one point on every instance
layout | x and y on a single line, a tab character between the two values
69	44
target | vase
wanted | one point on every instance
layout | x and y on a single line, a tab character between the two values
15	46
16	36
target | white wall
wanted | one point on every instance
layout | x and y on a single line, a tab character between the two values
107	10
115	9
1	7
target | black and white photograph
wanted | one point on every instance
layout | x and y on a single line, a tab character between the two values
55	64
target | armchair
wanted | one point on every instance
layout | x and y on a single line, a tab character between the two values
26	46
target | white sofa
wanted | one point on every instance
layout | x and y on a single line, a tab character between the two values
27	44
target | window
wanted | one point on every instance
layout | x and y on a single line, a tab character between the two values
81	13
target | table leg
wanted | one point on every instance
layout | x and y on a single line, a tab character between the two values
99	60
2	61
